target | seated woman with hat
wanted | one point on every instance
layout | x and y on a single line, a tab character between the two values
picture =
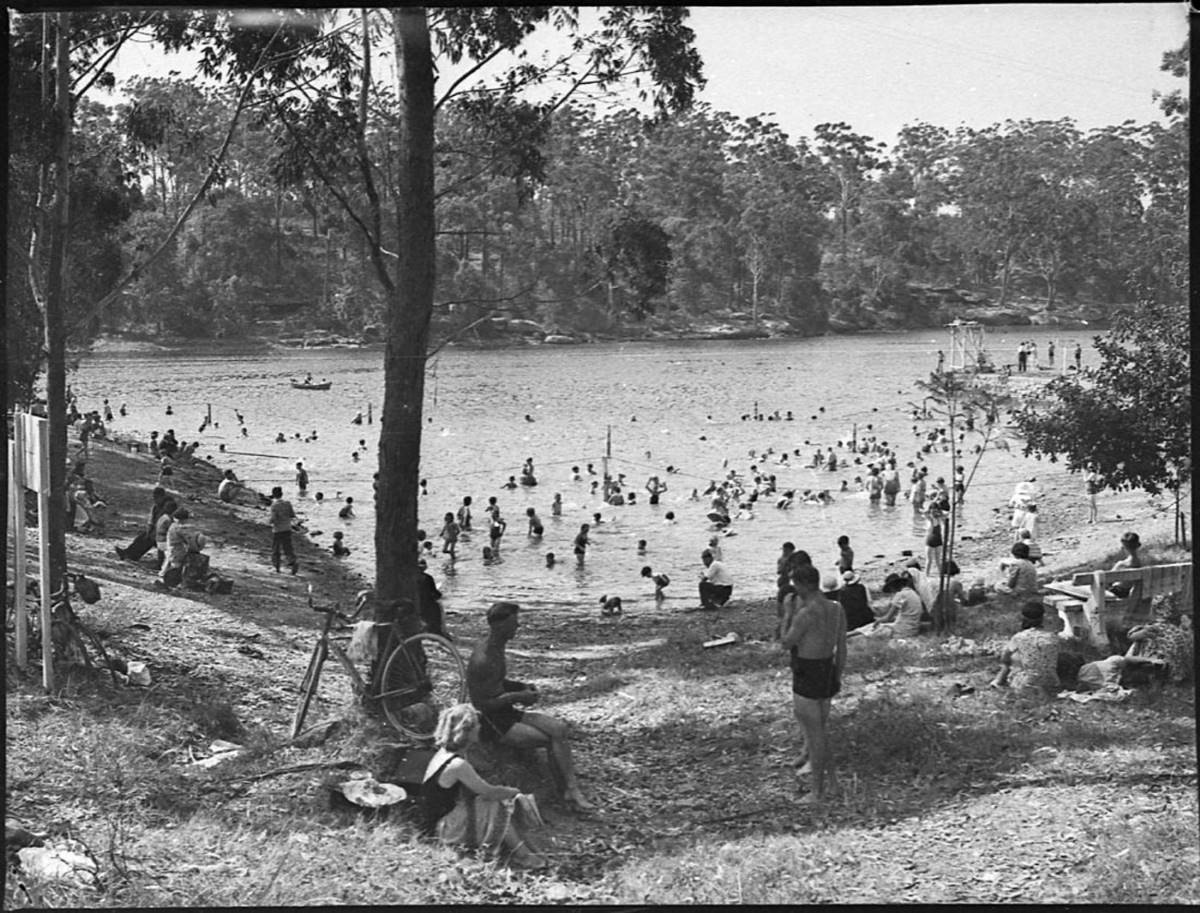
901	617
855	602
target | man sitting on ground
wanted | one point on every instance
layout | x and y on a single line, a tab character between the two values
230	488
716	583
497	698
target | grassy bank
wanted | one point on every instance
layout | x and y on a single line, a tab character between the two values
951	792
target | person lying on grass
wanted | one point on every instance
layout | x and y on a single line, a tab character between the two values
496	698
463	809
1168	638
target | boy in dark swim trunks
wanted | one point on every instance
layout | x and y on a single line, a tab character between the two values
496	698
814	628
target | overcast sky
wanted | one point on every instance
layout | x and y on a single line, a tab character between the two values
878	68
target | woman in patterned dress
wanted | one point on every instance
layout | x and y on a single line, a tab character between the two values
1029	662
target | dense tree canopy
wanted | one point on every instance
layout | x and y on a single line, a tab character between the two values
1130	417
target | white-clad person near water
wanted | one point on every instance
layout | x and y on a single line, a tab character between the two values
716	583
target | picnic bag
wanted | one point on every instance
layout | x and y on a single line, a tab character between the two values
87	589
219	585
195	569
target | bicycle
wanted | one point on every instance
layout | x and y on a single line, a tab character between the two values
420	675
71	637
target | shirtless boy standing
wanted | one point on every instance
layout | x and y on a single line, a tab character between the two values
496	698
814	628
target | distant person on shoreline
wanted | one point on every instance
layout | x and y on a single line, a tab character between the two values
338	547
716	583
1092	488
281	519
845	560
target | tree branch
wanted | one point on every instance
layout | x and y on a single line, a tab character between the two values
138	268
474	323
384	278
100	64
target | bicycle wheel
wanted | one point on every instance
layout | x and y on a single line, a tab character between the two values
423	676
308	686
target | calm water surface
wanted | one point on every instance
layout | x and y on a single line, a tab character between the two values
668	404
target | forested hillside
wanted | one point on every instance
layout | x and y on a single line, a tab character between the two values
590	222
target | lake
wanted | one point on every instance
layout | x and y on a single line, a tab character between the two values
677	404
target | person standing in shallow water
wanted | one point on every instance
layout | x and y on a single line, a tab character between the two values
281	517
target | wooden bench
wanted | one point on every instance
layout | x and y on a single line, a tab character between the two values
1090	610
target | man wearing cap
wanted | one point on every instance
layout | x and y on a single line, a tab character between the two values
815	634
497	698
716	583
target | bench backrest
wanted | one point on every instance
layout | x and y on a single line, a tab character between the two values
1145	583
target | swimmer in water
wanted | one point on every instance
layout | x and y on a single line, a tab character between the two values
489	557
511	484
556	505
550	559
338	547
347	512
449	535
641	546
535	523
596	518
582	542
464	514
496	530
669	518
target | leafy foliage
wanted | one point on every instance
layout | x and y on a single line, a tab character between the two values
1131	416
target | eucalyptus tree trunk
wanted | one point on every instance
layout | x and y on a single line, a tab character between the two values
408	316
56	291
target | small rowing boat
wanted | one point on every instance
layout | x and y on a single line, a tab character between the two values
305	385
